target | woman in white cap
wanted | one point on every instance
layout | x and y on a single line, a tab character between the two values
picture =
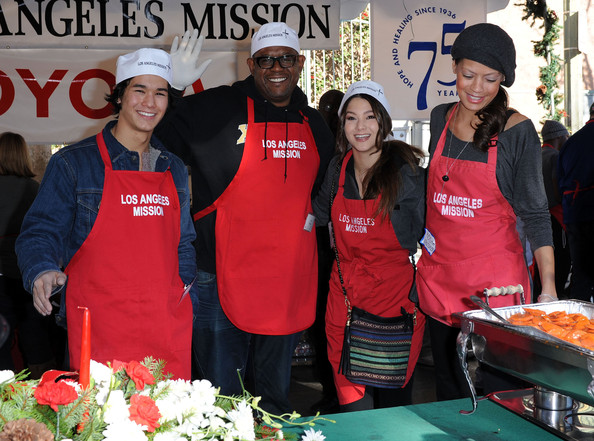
373	194
484	171
114	210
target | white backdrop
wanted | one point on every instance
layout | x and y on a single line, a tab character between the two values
56	97
57	64
57	58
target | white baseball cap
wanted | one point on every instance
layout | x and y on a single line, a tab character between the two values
145	61
366	87
275	34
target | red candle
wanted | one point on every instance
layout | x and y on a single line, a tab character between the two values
85	349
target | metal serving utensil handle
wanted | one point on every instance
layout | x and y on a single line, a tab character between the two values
505	290
462	349
479	302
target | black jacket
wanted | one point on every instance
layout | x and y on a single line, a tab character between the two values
203	129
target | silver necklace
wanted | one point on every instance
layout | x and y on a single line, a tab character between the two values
446	177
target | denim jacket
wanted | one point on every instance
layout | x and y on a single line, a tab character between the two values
67	205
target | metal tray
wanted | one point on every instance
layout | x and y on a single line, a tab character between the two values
528	353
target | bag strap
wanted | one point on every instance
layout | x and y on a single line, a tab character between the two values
335	177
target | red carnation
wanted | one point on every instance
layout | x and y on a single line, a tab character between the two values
117	365
139	374
55	394
144	411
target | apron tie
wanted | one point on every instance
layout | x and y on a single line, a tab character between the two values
265	130
286	141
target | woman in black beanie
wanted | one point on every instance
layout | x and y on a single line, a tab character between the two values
485	169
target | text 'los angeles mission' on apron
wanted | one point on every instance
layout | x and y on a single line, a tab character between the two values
267	273
377	273
471	241
127	274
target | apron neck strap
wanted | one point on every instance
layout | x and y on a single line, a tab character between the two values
103	151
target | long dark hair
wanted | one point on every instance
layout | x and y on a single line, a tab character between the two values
384	176
14	156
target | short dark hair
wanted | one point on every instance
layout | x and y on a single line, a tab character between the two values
328	107
592	110
115	97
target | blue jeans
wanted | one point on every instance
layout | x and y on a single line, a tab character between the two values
223	351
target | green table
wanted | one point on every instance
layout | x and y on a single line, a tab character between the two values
438	421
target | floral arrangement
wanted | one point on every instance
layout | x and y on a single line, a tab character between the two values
133	402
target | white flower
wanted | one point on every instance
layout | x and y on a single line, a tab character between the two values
124	430
243	421
75	385
279	435
6	376
115	409
100	373
203	393
178	388
173	400
312	435
168	436
213	422
187	429
102	395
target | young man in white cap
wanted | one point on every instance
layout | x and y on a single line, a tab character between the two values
256	247
113	212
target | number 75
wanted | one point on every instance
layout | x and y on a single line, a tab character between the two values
431	46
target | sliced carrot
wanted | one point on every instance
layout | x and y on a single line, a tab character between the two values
574	328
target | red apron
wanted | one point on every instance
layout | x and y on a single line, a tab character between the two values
377	274
127	273
476	244
267	273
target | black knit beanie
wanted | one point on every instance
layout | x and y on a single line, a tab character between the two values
553	129
490	45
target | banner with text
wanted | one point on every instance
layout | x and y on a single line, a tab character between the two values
411	51
109	24
57	96
58	57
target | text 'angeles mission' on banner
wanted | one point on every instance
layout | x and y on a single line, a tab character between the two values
113	24
58	57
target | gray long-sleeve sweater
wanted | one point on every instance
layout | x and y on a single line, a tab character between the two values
518	171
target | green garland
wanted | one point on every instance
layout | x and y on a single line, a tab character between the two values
547	93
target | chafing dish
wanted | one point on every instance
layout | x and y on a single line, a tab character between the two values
528	353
